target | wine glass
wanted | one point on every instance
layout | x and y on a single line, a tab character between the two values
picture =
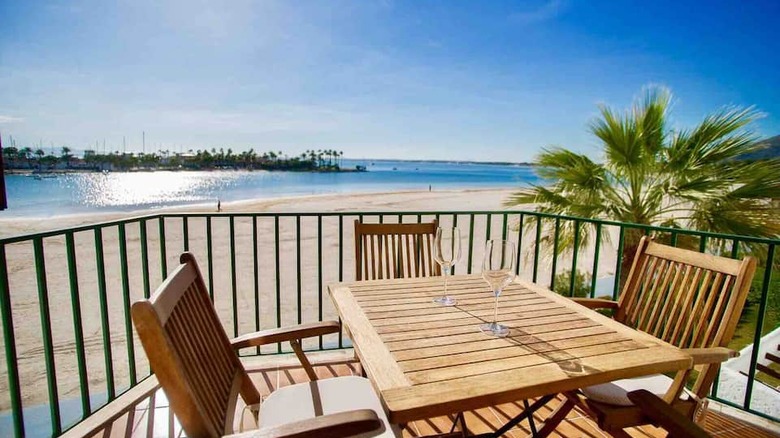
446	252
498	269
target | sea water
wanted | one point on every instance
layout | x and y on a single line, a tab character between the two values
40	195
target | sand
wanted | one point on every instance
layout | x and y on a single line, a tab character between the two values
28	313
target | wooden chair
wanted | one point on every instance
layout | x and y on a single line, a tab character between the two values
771	358
199	369
688	299
384	251
665	416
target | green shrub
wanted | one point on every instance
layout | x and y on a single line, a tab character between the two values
582	282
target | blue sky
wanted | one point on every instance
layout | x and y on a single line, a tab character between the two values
383	79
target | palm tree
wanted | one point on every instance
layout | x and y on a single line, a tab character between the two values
66	155
26	153
653	175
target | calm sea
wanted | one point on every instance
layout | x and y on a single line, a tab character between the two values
50	195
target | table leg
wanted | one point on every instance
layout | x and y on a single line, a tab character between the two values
527	413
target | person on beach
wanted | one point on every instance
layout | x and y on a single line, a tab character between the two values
219	205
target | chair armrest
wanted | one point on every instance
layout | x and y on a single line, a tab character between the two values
703	356
342	424
665	415
282	334
596	303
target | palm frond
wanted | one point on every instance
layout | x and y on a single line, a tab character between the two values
692	178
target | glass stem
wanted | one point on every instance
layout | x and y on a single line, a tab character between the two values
495	309
444	272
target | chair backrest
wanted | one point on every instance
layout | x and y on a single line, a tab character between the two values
190	353
394	250
686	298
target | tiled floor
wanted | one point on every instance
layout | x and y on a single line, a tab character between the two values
150	417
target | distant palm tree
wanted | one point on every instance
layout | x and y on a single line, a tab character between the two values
650	174
66	155
26	153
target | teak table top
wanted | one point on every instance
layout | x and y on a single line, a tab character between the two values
427	360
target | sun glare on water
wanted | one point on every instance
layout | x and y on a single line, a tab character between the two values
151	188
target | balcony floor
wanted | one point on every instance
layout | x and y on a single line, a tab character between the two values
149	416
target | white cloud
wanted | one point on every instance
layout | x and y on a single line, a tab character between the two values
10	119
548	10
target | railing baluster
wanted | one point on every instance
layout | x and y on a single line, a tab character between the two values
101	283
298	265
770	259
454	225
9	341
144	257
163	255
536	247
519	244
233	281
504	232
488	222
595	270
619	263
702	243
341	270
210	257
471	242
256	269
278	278
319	272
126	303
185	232
48	344
556	238
574	256
78	330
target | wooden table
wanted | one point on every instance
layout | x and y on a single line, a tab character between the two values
427	360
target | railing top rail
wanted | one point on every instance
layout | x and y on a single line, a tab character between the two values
88	227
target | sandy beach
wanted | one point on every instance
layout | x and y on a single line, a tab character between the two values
251	312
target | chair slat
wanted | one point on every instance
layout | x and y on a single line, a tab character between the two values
627	307
685	309
699	300
718	313
663	295
663	317
654	294
675	310
385	251
709	298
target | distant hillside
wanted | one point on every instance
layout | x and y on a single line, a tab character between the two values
771	149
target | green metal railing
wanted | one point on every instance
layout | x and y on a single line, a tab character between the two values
65	295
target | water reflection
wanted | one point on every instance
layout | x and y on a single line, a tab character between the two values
149	188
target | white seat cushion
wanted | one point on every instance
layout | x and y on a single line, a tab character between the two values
616	393
327	396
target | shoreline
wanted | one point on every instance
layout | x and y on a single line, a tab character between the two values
39	172
467	199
